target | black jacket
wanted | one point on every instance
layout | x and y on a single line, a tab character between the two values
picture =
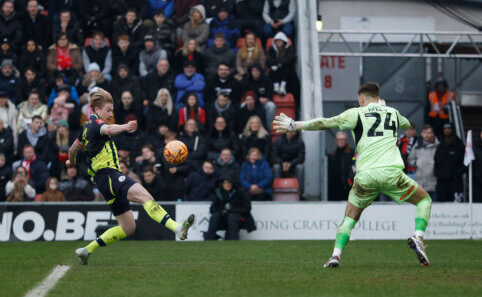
244	114
213	56
120	113
152	83
225	139
179	59
165	36
42	148
35	59
263	144
136	32
215	86
157	116
199	186
156	188
119	85
231	169
229	114
449	161
74	32
287	61
5	176
10	28
197	148
292	151
9	85
24	89
263	87
130	58
213	12
38	30
340	173
249	9
6	144
132	142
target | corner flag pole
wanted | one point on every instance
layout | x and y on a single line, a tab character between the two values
468	158
470	201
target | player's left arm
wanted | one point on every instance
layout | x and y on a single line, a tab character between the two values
404	123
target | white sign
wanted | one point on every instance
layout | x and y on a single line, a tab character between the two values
314	221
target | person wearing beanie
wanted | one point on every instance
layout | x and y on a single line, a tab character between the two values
149	57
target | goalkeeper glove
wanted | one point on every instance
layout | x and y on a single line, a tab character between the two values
283	124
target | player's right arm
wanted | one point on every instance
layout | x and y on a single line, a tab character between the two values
114	129
74	149
345	120
403	121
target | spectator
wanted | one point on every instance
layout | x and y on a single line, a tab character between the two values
250	53
64	107
140	6
153	183
93	78
134	140
163	77
94	15
28	109
8	81
255	135
123	81
164	6
75	187
213	6
164	31
161	113
340	168
421	159
33	58
289	156
8	115
52	193
132	26
281	59
7	53
19	189
61	81
226	164
98	52
192	110
218	53
221	137
187	82
189	52
249	16
200	183
224	23
7	147
229	210
438	100
5	175
10	27
68	25
147	159
30	82
182	8
405	143
222	107
250	108
263	88
125	53
174	176
65	56
128	106
449	167
256	177
477	167
36	26
36	136
149	57
196	28
59	143
195	143
127	172
223	82
278	16
36	169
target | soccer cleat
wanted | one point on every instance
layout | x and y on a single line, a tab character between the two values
182	233
416	244
83	255
333	262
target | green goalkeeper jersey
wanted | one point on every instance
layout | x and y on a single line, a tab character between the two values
374	128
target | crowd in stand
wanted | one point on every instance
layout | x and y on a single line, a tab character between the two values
200	71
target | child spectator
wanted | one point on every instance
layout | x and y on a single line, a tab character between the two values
52	193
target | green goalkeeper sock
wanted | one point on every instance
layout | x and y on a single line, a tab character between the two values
158	214
110	236
343	235
422	215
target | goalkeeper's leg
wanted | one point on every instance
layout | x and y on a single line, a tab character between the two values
423	202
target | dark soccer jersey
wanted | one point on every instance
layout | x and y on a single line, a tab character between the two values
100	148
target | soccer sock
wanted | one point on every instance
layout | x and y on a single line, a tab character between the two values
110	236
343	235
422	215
158	214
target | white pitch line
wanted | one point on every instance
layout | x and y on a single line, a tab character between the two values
49	282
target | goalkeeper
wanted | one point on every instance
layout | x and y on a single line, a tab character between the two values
379	164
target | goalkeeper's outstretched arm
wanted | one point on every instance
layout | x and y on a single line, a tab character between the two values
283	124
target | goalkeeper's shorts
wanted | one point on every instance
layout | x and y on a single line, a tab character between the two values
390	181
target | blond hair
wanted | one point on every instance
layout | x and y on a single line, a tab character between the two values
262	133
243	51
100	98
185	47
158	102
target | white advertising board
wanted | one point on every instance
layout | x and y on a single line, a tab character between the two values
313	221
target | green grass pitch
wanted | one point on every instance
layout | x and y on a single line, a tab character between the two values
245	268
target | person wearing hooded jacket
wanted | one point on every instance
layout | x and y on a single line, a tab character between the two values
149	57
230	209
200	183
216	54
196	28
123	81
281	59
98	52
226	24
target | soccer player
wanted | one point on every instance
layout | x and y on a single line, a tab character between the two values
118	189
379	164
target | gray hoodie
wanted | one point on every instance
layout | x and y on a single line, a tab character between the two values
201	33
423	158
